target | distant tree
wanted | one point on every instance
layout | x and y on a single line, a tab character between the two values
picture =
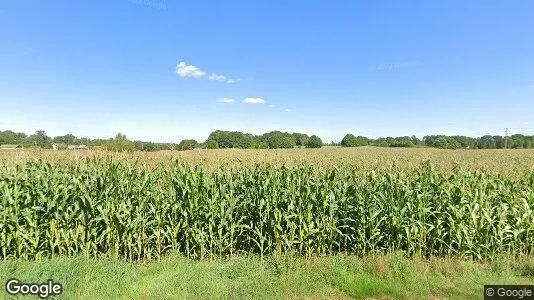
68	139
40	139
314	142
277	139
120	143
301	139
145	146
404	141
232	139
83	141
350	140
486	142
211	144
11	137
415	140
187	145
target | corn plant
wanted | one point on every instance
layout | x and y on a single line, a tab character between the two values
108	207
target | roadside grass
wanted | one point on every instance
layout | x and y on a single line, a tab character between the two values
390	276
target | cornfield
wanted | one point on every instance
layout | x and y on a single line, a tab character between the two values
512	162
104	207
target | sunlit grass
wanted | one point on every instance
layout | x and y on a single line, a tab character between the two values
390	276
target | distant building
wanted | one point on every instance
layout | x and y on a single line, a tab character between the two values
10	147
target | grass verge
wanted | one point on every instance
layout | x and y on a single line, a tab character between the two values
335	277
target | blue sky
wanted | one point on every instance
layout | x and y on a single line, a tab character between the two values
373	68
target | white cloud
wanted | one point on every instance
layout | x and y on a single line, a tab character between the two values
254	101
271	105
226	100
287	110
217	77
185	70
525	123
221	78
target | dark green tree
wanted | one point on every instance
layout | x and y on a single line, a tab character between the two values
350	140
68	139
40	139
120	143
301	139
211	144
277	139
314	142
11	137
187	145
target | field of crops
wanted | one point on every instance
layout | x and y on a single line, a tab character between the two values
138	207
510	162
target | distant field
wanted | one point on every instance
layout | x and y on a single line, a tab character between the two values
511	161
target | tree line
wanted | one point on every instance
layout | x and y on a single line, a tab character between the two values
217	139
220	139
516	141
270	140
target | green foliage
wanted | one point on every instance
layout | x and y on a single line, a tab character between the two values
404	141
68	139
187	145
145	146
120	143
277	139
230	139
314	142
125	211
149	146
40	139
301	139
211	144
244	277
350	140
10	137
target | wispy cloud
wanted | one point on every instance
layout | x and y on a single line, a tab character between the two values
226	100
526	123
152	4
287	110
253	101
185	70
271	105
217	77
396	65
221	78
